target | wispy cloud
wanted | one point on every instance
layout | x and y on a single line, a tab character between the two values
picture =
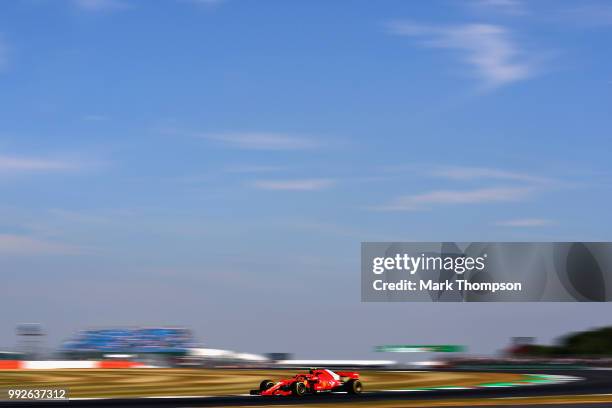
453	197
525	223
11	244
263	141
489	49
249	169
508	7
481	173
16	164
96	6
295	185
588	15
207	3
95	118
81	217
229	170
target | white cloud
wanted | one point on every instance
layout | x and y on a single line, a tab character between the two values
100	5
95	118
14	164
450	197
11	244
254	169
477	173
296	185
509	7
525	222
208	3
263	141
19	164
489	49
588	15
77	217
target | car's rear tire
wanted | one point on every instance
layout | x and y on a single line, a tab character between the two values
265	384
354	387
298	389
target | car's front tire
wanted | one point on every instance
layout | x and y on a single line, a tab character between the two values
265	384
298	389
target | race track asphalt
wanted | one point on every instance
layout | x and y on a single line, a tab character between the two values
595	382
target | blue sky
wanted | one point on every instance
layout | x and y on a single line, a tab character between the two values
199	162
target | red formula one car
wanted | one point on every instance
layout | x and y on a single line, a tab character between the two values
316	381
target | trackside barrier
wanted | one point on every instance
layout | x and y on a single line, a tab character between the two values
10	365
67	364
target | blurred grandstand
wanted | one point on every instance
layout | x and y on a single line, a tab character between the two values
159	346
149	343
137	341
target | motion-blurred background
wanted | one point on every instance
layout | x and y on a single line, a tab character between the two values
214	164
